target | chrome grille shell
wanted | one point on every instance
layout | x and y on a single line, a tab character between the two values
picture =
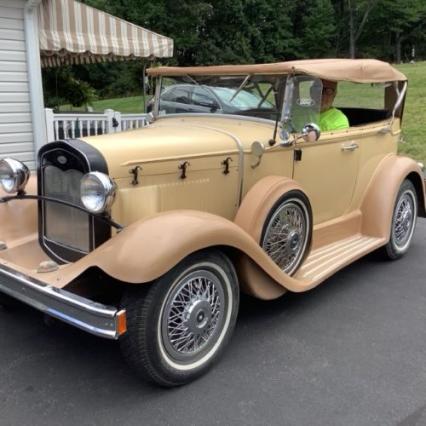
67	234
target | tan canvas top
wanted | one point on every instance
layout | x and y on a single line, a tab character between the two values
357	70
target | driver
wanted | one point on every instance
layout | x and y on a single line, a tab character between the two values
331	118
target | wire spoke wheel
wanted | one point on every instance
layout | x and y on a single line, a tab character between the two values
286	234
403	223
193	316
404	219
178	326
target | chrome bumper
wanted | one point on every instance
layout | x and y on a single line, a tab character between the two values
95	318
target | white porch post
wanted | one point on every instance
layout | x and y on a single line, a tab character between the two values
34	72
50	130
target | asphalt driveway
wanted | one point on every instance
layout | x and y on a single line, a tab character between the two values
351	352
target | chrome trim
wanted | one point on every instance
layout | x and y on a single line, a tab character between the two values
108	186
85	314
401	96
18	171
43	212
350	147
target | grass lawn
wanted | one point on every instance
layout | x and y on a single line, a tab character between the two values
414	121
130	104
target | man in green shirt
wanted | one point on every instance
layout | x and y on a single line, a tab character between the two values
331	118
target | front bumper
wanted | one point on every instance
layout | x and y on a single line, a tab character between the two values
95	318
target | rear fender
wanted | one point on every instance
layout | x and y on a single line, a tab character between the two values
379	200
259	201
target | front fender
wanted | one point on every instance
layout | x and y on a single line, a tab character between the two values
150	247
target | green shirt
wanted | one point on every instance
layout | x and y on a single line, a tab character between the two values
333	119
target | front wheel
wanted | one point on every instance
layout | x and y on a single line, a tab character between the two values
403	222
179	325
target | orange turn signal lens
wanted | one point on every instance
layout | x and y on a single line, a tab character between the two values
121	322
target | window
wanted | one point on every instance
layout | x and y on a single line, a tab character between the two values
201	97
179	94
362	103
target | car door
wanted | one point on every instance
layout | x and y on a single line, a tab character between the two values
328	169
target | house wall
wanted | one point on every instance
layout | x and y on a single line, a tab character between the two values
16	130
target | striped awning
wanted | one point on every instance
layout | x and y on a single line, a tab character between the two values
73	33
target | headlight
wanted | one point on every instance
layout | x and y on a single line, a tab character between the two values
14	175
97	192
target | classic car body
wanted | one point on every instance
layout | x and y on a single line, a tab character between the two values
190	186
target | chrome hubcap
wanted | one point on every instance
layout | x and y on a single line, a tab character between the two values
403	220
285	237
197	316
193	316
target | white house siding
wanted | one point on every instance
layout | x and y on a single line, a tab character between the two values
16	133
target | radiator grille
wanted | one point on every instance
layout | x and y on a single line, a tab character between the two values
65	225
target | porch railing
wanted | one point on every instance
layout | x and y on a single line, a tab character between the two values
75	125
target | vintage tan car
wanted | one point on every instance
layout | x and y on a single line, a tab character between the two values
148	236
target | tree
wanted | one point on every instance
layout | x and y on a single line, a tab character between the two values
403	21
358	11
319	28
270	30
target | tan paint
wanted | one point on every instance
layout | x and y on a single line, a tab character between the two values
328	174
336	229
375	143
378	203
205	188
20	217
148	248
160	149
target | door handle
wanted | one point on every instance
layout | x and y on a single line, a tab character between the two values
350	147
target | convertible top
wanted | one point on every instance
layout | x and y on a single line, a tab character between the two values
356	70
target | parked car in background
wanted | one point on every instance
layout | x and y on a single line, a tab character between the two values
192	98
149	236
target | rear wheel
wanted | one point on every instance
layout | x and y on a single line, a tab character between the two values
403	222
179	325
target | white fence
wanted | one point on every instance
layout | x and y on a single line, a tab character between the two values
75	125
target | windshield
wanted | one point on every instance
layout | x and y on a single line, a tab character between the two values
302	102
256	96
242	100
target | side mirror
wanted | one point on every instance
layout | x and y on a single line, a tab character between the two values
311	132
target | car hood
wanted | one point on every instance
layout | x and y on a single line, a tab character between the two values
176	138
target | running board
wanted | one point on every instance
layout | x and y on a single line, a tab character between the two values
324	261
